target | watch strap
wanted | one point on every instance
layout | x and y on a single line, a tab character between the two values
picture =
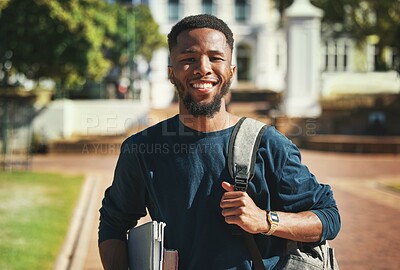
273	220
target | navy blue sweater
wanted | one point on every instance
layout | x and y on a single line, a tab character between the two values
185	169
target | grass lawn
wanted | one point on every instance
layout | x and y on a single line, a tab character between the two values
35	211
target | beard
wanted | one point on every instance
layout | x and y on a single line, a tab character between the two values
197	109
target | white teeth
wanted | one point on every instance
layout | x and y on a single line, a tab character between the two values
202	85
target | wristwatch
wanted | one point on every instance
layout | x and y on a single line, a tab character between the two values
273	220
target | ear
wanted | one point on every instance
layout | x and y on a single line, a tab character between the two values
233	70
170	74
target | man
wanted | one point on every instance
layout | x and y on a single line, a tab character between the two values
185	158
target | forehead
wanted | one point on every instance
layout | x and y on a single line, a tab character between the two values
201	39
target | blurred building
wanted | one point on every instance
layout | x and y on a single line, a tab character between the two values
260	48
259	51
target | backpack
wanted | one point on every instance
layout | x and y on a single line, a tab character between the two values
242	150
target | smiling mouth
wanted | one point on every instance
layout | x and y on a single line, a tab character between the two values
203	85
207	85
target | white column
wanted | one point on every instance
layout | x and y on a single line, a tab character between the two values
159	10
226	11
303	70
262	52
192	7
259	11
162	92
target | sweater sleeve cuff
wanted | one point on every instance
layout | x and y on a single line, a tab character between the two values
330	220
107	232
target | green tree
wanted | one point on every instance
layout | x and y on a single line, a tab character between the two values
378	20
4	4
72	41
137	34
62	40
145	24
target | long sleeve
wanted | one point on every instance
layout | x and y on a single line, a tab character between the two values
297	189
125	200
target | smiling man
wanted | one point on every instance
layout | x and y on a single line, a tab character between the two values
201	70
189	174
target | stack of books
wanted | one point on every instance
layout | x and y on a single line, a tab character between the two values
146	248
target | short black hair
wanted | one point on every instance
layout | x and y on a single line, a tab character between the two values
200	21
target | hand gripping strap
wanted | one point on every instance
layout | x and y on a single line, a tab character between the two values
243	145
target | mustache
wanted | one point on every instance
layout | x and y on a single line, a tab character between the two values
205	78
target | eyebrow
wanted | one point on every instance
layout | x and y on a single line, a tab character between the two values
195	51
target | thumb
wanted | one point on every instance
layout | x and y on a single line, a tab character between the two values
227	186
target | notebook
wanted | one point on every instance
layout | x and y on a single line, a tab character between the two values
146	247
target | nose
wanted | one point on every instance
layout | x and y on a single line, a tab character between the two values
203	67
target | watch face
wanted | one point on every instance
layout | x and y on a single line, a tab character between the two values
274	217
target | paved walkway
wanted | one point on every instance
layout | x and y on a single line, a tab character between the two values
370	212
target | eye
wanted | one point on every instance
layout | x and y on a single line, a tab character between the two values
188	60
216	59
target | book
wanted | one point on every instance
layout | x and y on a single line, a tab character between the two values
146	246
171	259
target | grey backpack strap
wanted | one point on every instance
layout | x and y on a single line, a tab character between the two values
243	145
242	150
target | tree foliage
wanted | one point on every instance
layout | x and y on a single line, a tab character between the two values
137	35
378	20
72	41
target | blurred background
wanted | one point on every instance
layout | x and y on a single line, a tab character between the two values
79	76
66	66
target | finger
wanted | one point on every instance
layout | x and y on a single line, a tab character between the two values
232	200
228	204
234	195
227	186
229	212
232	220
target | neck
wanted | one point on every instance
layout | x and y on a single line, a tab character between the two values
221	119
